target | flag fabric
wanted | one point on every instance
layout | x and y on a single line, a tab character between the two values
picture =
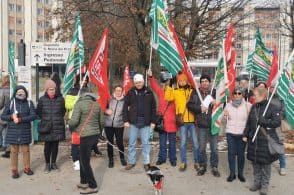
259	62
286	89
98	70
127	82
181	52
161	38
11	68
75	58
274	69
230	58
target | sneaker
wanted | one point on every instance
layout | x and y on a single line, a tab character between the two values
196	166
182	167
123	162
15	174
215	172
110	163
231	177
47	168
159	162
82	185
76	165
28	171
54	166
263	191
201	171
129	166
173	164
6	154
89	191
254	187
241	178
283	171
147	167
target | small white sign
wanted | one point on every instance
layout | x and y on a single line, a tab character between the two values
49	53
208	99
25	78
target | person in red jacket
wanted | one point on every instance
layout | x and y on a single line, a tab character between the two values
167	109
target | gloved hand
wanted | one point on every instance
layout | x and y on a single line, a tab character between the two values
151	135
262	122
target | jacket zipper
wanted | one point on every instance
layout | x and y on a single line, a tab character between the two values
114	112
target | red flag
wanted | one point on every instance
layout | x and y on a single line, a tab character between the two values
185	69
98	70
127	83
274	69
230	58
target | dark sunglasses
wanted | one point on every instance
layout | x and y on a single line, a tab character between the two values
237	93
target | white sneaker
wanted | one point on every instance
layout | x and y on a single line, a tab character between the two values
77	165
283	171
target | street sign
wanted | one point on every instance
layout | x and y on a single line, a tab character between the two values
49	53
24	77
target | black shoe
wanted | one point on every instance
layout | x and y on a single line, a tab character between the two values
47	168
6	154
231	178
110	163
215	172
123	162
173	164
146	167
15	174
201	171
241	178
28	171
159	162
54	166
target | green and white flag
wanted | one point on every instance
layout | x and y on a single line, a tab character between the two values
286	89
161	38
75	58
259	62
11	68
222	93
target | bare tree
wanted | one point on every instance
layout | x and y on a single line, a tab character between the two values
287	20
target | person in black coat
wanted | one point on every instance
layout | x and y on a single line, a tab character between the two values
257	150
19	113
51	110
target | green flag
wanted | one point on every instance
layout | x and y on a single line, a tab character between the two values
11	67
161	38
286	89
75	58
260	60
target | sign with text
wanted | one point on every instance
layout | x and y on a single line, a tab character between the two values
49	53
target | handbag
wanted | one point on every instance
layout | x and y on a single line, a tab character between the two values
179	119
159	124
45	127
76	136
273	146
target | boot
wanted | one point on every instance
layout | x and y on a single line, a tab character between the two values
54	166
47	168
123	161
6	154
110	163
76	165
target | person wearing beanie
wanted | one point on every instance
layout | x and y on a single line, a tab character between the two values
51	111
235	115
139	116
185	118
244	84
19	113
203	115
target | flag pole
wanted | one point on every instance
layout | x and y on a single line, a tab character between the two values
150	64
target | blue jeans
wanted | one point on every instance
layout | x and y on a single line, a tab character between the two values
188	127
171	147
204	136
144	135
3	132
282	159
236	146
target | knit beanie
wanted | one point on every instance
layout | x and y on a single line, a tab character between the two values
138	78
49	84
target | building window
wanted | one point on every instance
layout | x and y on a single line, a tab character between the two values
40	24
40	37
19	33
239	45
18	8
39	11
11	7
18	22
268	36
47	24
11	32
239	56
40	1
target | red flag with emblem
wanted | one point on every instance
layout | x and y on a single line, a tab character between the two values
98	70
127	83
230	58
274	69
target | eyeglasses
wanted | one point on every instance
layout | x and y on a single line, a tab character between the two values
237	93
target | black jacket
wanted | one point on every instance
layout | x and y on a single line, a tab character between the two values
131	105
52	110
194	105
258	151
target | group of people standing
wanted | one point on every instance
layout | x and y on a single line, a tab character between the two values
182	110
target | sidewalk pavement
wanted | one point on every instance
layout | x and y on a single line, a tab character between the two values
133	182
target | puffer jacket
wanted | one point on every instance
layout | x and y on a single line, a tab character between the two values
52	110
19	133
194	105
258	151
80	114
116	118
180	96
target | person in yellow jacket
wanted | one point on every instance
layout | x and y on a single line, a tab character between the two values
181	96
